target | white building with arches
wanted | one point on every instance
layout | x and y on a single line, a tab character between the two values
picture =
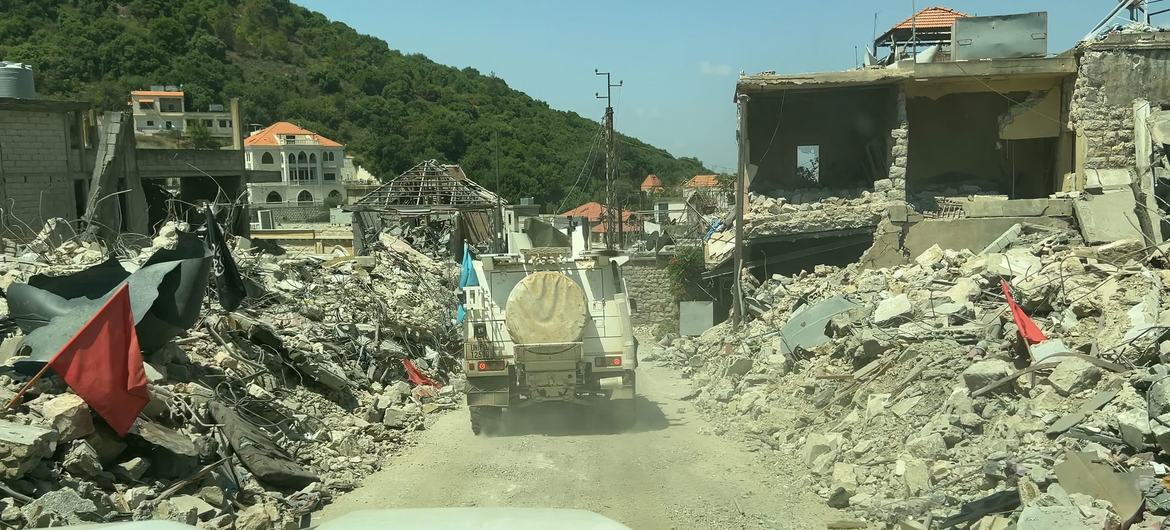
310	167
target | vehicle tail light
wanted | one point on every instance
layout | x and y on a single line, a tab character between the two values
490	366
607	361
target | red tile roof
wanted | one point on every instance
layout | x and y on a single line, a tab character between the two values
592	212
931	18
702	181
268	135
652	183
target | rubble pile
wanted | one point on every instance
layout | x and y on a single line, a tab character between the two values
911	395
258	415
814	210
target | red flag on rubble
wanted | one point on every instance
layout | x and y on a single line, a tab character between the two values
103	365
417	377
1028	329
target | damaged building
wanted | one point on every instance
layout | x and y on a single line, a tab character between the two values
951	143
64	159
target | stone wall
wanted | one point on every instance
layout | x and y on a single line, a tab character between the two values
1109	79
295	213
894	186
35	167
653	290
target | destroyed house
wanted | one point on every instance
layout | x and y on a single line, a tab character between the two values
880	163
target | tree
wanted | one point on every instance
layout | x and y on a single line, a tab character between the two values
200	136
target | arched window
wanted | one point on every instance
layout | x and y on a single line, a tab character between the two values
266	159
313	158
328	156
273	197
292	159
312	172
305	196
301	158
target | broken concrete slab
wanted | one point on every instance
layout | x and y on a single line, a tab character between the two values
986	372
895	310
1097	180
22	447
1016	262
931	446
1018	208
133	469
69	416
61	507
1052	518
1134	425
1108	217
82	460
1073	375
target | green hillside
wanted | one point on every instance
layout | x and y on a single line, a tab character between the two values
288	63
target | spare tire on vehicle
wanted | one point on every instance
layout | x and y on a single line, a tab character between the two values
546	307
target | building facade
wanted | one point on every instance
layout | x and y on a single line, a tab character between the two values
310	167
162	109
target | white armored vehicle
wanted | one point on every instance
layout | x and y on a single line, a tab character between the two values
548	324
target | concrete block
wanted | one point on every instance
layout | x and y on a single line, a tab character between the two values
1073	375
892	311
1019	208
69	416
985	372
1108	179
22	447
931	446
1107	217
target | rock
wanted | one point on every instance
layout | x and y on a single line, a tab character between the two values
893	311
170	510
212	495
1134	425
137	495
155	373
1016	262
739	367
107	444
929	257
1120	251
845	477
190	503
81	459
69	416
930	447
60	507
874	345
817	444
257	517
1073	375
22	447
133	469
394	418
1052	518
915	476
985	372
965	290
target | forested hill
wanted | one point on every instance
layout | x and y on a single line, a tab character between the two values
288	63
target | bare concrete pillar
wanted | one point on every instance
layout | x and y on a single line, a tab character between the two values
237	125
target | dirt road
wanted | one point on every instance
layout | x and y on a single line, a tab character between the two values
662	473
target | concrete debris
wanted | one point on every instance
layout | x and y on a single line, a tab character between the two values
288	385
923	403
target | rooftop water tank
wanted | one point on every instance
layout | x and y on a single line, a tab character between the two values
16	81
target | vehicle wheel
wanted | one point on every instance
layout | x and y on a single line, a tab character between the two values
485	420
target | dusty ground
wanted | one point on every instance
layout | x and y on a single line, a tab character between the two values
662	473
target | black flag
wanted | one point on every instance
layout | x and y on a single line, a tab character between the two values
228	283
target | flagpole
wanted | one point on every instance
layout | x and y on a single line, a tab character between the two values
27	386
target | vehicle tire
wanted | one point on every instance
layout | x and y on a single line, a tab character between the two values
485	420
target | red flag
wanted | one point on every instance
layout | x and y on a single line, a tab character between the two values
1028	329
417	377
103	365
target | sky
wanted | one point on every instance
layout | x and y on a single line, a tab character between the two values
678	59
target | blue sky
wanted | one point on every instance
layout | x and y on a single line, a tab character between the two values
679	59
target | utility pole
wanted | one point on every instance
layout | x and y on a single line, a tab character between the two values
607	214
